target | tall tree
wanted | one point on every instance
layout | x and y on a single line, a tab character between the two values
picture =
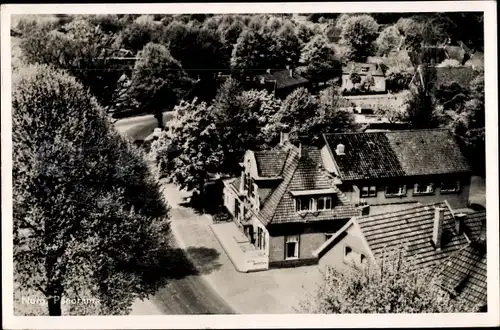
412	32
240	117
189	150
395	286
80	47
158	81
468	125
87	213
198	49
250	53
306	117
389	39
286	50
230	33
320	61
359	34
420	110
139	33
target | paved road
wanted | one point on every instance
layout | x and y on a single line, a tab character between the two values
138	128
190	294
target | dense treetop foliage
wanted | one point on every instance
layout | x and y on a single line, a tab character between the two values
394	285
88	215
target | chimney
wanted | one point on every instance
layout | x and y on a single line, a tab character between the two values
340	151
284	137
437	231
459	223
290	71
268	71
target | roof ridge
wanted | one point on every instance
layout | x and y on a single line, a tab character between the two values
284	163
282	186
285	188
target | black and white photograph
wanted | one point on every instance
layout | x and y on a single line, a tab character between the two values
312	161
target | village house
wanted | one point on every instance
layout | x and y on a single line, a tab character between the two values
436	237
286	203
281	82
365	71
386	171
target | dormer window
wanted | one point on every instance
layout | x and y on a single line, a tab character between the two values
305	204
364	69
324	203
313	204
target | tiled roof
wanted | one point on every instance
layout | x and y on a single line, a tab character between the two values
367	155
412	228
283	78
465	274
422	152
270	162
264	194
303	174
397	153
364	69
475	225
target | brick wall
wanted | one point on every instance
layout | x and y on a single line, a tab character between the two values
311	236
455	199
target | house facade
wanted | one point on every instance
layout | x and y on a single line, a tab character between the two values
437	238
286	203
427	231
365	71
387	171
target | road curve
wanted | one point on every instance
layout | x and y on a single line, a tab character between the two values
138	128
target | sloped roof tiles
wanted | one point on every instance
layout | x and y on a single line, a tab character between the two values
397	154
465	273
412	228
303	173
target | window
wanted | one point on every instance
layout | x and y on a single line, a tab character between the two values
292	247
353	257
395	190
324	203
423	188
305	204
237	209
368	191
450	186
261	239
364	69
245	182
251	188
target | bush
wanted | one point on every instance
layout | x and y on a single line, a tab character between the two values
398	81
